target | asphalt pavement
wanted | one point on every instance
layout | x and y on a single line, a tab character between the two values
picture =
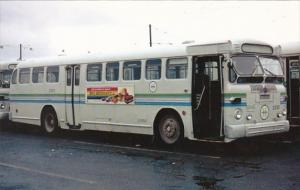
71	160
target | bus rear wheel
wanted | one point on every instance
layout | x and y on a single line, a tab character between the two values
170	130
49	121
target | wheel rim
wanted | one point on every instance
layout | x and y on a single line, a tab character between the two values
170	130
49	123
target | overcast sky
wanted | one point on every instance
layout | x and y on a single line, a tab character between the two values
96	26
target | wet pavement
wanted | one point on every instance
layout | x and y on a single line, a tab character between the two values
87	160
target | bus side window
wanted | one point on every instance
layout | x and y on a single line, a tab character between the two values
177	68
53	74
38	74
153	69
132	70
24	76
77	76
14	77
69	74
112	71
94	72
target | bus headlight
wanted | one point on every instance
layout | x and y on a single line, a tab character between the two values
249	117
2	106
279	115
284	112
238	114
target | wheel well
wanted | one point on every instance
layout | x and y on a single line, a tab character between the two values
47	108
162	113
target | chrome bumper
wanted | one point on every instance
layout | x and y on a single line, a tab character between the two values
4	115
249	130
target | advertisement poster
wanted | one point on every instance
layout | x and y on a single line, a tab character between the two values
110	95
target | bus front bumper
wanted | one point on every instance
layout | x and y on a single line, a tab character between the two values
4	115
250	130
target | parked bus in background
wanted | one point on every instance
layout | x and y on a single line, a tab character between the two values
6	69
290	54
213	91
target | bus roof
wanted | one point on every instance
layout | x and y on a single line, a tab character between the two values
206	48
6	65
289	49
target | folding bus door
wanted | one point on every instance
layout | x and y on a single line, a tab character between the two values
72	96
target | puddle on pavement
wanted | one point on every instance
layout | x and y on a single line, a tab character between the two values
208	182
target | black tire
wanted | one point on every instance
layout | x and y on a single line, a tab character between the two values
49	122
170	130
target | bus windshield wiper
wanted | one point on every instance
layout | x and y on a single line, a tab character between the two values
254	70
265	69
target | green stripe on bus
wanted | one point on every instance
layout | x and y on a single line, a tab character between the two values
228	95
36	95
4	94
283	94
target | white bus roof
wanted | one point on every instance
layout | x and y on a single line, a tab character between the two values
289	49
4	65
147	53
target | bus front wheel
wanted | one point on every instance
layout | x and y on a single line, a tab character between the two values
170	130
49	121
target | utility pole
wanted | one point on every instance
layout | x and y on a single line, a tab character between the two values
20	58
150	35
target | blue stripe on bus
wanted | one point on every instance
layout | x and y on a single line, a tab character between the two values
163	103
234	104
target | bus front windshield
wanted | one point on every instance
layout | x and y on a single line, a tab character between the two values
5	78
253	69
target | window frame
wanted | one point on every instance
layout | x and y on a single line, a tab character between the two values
43	75
106	66
101	73
186	70
132	62
16	72
47	68
19	78
161	69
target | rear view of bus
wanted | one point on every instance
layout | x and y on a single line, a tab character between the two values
254	97
6	69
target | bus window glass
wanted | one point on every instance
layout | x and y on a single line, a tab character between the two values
38	75
271	66
132	70
53	74
177	68
153	69
77	76
5	75
24	76
112	71
211	70
14	77
247	65
69	74
94	72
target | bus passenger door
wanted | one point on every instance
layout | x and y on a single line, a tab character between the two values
293	87
207	97
72	96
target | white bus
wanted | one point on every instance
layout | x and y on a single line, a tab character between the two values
6	68
290	54
220	91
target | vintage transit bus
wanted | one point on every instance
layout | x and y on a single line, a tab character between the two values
290	54
6	68
213	91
